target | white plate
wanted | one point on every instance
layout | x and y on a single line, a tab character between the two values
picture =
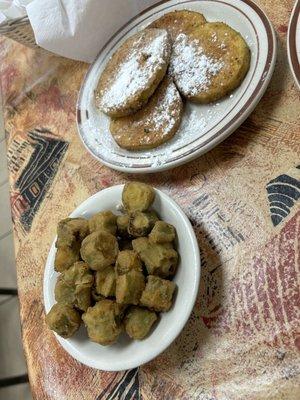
128	353
293	42
204	126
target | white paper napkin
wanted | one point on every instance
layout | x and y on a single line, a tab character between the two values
10	9
79	28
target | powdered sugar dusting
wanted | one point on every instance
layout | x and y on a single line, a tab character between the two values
133	75
164	116
194	124
191	68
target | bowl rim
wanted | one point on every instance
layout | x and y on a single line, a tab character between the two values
180	323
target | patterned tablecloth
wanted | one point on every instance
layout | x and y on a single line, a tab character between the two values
241	340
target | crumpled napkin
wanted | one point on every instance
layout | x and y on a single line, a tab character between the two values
79	29
10	9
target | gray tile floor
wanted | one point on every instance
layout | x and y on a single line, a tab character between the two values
12	362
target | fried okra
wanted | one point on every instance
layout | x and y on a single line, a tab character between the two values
120	282
106	282
122	225
70	233
63	320
141	223
140	244
162	233
159	259
66	256
137	196
129	287
74	286
71	230
138	322
158	294
103	322
128	260
103	221
99	250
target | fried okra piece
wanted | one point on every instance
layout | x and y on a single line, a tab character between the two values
63	292
138	322
158	294
74	286
122	225
159	259
137	196
99	250
141	223
66	256
140	244
70	233
71	230
162	233
63	320
129	287
103	221
128	260
106	282
103	322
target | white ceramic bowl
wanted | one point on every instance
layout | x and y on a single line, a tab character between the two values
126	353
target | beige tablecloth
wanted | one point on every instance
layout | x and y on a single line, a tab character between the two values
241	341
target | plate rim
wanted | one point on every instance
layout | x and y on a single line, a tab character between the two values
73	352
232	125
294	61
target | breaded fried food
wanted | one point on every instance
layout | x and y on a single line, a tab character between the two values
74	286
133	73
128	260
158	294
99	250
103	221
63	320
159	259
129	287
70	230
209	63
106	282
162	233
180	21
153	125
137	196
141	223
70	233
103	322
138	322
66	256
